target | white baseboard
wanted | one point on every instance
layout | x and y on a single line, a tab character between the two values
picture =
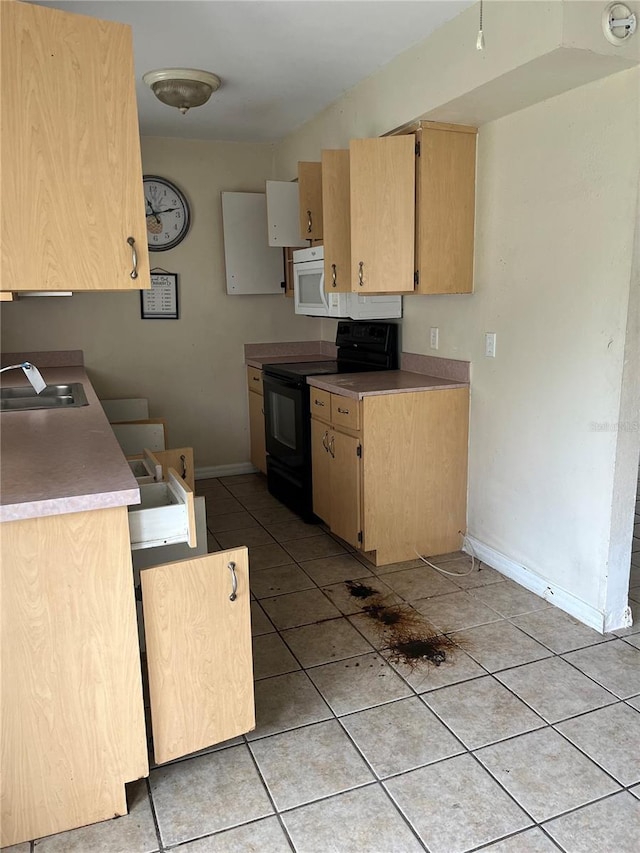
566	601
225	470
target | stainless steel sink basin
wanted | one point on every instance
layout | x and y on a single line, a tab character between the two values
24	398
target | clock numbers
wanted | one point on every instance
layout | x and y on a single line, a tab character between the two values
167	213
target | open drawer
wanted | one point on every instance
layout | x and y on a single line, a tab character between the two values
165	514
197	625
147	469
154	466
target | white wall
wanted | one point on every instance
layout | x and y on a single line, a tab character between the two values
192	370
556	200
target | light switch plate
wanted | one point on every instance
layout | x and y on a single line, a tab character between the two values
490	344
433	337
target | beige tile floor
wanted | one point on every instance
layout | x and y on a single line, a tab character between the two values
527	737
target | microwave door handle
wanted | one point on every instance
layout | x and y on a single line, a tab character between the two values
323	295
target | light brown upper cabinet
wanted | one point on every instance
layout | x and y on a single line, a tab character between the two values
310	197
445	205
73	214
368	197
337	220
382	204
399	212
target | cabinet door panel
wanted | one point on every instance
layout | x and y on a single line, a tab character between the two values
337	220
382	195
198	652
72	175
181	460
256	431
310	195
446	210
345	487
320	460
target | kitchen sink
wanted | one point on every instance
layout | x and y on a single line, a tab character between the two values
24	398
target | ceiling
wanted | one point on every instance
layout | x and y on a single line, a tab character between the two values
281	61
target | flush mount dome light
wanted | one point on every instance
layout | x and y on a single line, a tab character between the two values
182	88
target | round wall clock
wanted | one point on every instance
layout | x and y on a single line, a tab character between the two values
167	212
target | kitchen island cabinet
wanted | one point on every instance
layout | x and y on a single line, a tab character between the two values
72	716
73	213
390	466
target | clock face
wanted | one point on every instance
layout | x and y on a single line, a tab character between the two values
167	213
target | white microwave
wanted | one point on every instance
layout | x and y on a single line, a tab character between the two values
312	300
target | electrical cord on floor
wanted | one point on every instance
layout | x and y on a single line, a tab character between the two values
452	574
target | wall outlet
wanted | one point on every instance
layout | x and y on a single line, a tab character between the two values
490	344
433	338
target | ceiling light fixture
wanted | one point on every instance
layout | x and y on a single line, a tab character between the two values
618	23
182	88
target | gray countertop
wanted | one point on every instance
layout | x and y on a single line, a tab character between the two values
62	460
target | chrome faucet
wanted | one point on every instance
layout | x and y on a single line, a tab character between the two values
31	372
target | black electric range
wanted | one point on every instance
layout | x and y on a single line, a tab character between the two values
362	346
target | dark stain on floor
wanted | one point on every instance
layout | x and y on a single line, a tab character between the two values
411	638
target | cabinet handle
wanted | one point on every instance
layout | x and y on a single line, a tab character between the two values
331	450
234	582
255	379
333	275
324	441
184	466
318	403
343	411
134	257
361	274
309	222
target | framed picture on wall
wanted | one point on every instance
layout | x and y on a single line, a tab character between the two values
161	301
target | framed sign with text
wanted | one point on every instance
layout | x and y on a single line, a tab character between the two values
161	301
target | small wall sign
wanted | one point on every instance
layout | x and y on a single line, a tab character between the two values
161	301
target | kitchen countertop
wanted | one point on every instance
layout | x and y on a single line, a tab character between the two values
62	460
256	355
359	385
261	360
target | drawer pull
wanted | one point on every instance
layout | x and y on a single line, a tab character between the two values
318	403
343	411
255	379
234	582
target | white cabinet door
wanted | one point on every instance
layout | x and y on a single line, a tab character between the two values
251	265
283	214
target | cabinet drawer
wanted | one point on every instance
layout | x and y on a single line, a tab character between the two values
134	436
146	469
165	514
254	379
345	412
320	404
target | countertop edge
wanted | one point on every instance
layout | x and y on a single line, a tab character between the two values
423	383
65	506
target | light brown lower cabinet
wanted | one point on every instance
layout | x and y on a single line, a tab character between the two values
256	419
72	715
390	471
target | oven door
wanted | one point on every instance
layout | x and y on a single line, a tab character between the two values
284	417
